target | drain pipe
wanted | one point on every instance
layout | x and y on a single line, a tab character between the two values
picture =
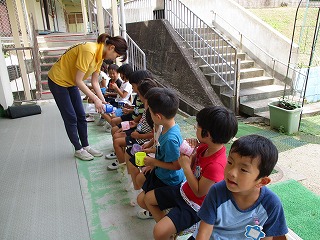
100	17
123	21
123	27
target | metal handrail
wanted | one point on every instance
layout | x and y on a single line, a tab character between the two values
292	71
136	56
249	40
217	52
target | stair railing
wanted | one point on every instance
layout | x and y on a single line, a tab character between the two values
136	56
218	53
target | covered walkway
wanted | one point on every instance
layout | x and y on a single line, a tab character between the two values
45	193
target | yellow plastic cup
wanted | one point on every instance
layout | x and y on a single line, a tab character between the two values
139	158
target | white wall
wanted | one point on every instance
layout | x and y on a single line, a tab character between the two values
264	3
233	19
6	97
60	17
34	8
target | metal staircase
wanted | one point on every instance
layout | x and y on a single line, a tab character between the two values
241	84
257	89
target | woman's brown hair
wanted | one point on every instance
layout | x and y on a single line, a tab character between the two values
118	42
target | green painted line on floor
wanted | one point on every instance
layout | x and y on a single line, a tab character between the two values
104	195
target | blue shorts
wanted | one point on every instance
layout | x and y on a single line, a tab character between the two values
182	215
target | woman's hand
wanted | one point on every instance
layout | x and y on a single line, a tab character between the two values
99	105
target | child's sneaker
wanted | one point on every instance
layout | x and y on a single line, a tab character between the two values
114	165
144	214
111	156
82	154
90	118
101	122
107	127
93	152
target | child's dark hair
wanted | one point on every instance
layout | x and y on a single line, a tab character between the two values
139	75
107	61
126	70
256	146
119	43
149	118
113	67
220	122
163	101
145	85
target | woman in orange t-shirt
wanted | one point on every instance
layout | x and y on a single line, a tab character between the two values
65	78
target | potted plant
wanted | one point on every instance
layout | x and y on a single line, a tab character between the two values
285	115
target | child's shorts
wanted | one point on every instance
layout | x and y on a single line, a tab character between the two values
126	117
182	215
111	101
152	182
130	141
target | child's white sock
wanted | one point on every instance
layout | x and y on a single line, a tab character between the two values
133	197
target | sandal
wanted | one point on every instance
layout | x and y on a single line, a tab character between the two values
144	214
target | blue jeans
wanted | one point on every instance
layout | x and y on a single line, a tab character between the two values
69	102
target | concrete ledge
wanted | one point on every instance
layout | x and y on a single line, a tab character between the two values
172	64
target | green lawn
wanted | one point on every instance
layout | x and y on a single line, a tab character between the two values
282	19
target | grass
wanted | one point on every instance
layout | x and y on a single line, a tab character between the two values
282	19
301	208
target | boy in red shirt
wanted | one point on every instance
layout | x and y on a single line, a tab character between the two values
215	127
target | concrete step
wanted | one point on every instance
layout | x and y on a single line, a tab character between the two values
230	57
251	73
44	85
45	67
44	75
220	87
52	51
62	40
265	115
197	42
262	92
254	107
206	50
49	59
256	82
207	69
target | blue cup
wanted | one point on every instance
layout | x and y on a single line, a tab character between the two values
118	112
103	90
108	108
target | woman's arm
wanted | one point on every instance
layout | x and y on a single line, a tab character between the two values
82	86
96	86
